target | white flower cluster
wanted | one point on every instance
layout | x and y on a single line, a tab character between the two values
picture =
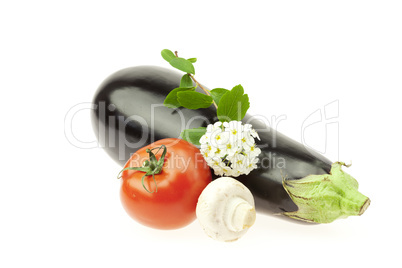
229	148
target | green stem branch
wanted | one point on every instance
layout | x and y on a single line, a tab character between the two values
204	89
198	84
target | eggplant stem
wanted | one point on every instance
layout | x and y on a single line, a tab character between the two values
326	197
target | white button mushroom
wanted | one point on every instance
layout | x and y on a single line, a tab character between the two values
225	209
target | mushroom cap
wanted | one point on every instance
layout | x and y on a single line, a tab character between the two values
225	209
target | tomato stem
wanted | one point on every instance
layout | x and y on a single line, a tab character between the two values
151	166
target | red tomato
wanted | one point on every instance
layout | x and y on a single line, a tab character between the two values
169	202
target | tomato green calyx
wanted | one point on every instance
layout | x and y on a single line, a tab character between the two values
152	166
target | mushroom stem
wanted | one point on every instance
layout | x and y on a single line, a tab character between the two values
241	214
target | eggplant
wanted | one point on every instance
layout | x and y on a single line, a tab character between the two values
290	179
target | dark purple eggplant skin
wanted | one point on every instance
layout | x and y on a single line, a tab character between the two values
127	101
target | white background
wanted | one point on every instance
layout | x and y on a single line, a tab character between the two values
59	204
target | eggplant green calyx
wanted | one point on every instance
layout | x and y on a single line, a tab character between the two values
152	166
325	198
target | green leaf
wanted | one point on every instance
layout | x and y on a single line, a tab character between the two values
168	55
217	94
171	99
193	135
186	81
194	100
182	64
192	60
233	105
